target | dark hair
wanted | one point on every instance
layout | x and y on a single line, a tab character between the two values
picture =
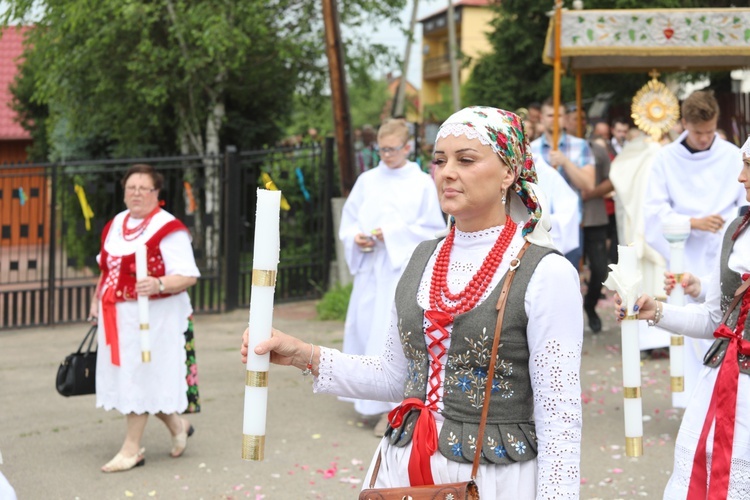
700	106
534	105
620	119
143	168
550	103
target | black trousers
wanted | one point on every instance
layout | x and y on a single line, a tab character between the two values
595	252
613	240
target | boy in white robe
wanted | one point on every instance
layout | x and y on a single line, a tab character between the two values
391	209
689	181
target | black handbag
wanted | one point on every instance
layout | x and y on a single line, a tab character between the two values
77	373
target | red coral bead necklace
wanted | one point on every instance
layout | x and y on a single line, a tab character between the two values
467	298
129	234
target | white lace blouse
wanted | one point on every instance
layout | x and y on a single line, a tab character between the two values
555	331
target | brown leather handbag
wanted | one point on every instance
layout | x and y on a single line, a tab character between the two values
466	490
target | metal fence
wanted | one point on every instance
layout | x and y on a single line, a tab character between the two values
48	241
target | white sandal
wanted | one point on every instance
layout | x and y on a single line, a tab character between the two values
179	442
122	463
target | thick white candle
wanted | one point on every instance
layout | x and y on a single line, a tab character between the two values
627	262
265	264
141	271
676	233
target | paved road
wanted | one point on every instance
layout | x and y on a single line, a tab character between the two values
316	447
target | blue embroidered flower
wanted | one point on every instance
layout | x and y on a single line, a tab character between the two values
456	449
500	451
464	383
480	372
520	447
495	386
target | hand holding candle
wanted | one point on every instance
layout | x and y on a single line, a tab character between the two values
141	271
625	278
265	263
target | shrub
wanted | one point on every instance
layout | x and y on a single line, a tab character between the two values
334	303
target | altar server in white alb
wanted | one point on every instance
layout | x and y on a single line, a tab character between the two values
690	180
391	209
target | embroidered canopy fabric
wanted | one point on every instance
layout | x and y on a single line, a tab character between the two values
596	41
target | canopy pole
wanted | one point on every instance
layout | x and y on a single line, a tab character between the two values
579	106
557	76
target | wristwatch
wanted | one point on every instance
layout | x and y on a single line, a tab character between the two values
161	285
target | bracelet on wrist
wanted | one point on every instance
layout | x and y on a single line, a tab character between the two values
658	314
308	370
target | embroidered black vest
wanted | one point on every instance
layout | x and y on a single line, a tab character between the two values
730	282
510	434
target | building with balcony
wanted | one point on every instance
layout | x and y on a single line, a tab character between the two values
473	22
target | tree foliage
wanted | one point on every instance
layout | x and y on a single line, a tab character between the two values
513	75
126	78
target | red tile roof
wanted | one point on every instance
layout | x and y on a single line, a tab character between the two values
11	47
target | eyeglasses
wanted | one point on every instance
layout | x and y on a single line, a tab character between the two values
388	151
139	190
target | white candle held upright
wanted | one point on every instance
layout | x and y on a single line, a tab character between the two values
625	278
265	264
141	271
676	233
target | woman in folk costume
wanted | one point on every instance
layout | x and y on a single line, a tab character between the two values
391	209
712	451
123	382
442	324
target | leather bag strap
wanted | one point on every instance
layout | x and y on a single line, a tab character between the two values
501	302
737	297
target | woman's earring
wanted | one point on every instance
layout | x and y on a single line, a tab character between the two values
503	193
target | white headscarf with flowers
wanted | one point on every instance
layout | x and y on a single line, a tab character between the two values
746	148
503	132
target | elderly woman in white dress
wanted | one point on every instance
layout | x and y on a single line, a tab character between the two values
442	324
123	382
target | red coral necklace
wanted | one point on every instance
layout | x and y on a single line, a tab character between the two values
467	298
131	234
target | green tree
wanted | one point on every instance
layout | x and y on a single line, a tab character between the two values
114	78
513	74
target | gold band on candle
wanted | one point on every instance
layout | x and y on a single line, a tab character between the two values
631	317
146	356
678	384
634	446
252	447
631	392
256	379
678	277
144	326
677	340
264	278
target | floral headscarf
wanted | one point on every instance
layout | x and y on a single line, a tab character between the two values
746	148
503	132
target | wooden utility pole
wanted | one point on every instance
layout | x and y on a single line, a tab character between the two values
557	72
452	49
339	96
398	109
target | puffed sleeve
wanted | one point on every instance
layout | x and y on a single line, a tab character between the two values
555	335
177	251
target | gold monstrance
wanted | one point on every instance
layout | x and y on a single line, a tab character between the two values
655	108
